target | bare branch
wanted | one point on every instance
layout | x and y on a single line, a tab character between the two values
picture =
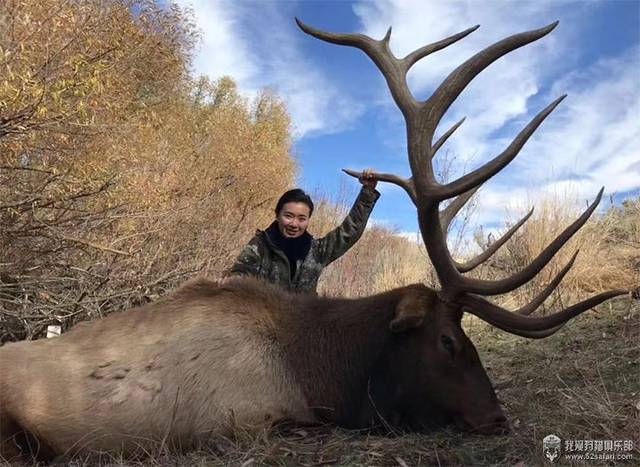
24	202
92	245
78	240
26	168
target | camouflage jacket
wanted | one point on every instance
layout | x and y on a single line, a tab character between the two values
261	258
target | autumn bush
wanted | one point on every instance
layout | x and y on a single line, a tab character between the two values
121	175
608	245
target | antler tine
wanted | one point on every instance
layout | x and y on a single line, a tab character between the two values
422	52
534	334
447	214
443	139
488	170
484	287
486	254
517	324
533	305
405	183
429	192
459	78
393	70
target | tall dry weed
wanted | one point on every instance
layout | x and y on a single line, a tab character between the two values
609	251
381	260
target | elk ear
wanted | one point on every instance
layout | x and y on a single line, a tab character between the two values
411	310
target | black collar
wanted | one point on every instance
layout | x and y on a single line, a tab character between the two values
295	249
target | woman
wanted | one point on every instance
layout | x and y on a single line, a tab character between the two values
287	255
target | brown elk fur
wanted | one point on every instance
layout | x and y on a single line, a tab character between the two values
201	362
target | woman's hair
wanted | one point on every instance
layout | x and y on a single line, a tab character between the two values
294	196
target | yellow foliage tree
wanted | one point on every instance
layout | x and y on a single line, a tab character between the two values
120	175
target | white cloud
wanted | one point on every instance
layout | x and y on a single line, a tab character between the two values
223	50
257	44
591	140
596	134
316	106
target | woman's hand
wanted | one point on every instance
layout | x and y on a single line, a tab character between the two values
368	179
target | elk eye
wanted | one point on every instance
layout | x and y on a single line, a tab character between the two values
447	343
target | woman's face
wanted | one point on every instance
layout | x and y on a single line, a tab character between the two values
293	219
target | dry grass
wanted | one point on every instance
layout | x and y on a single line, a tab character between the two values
379	261
609	254
609	251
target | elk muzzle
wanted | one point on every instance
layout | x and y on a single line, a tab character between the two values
493	423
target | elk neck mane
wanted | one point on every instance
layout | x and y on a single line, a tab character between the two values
330	344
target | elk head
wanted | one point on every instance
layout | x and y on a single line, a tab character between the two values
453	375
430	374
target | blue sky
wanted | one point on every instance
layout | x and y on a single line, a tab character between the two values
343	114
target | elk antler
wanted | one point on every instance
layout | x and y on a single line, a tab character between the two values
422	119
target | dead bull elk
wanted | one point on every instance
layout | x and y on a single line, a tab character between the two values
212	357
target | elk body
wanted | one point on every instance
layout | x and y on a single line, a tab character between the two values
210	358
